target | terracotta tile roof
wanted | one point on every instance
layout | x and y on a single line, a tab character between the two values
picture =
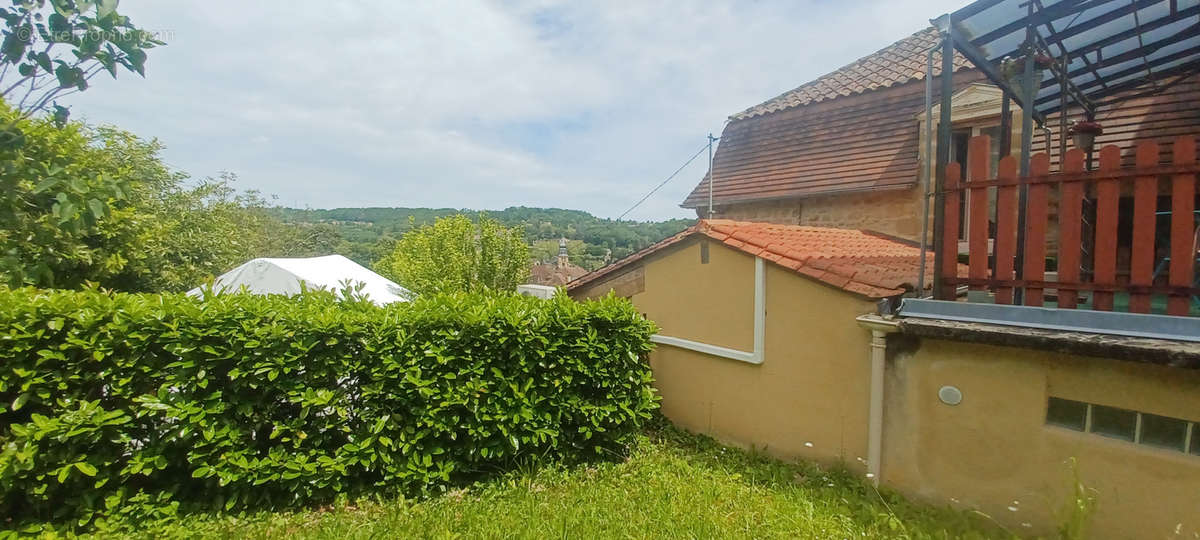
555	275
856	261
852	130
897	63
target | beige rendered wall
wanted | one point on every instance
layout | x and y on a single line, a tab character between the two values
812	388
994	451
895	212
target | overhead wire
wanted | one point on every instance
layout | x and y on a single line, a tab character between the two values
664	182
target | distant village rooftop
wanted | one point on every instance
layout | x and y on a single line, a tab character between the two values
557	273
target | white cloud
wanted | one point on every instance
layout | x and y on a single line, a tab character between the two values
474	104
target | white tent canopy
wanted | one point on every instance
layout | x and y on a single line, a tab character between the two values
283	276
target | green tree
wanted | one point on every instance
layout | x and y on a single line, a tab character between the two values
457	254
50	53
60	214
84	204
200	231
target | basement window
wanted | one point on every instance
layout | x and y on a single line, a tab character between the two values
1068	414
1163	431
1133	426
1114	422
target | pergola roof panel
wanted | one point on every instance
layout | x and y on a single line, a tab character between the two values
1107	44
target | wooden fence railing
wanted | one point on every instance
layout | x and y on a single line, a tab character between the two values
1153	261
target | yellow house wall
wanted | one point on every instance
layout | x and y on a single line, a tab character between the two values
812	388
991	452
994	450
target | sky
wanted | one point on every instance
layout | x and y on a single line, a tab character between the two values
585	104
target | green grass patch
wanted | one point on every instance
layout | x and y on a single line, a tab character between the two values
674	485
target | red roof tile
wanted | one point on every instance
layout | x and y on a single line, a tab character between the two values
555	275
856	261
852	130
897	63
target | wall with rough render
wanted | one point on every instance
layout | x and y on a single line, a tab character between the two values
808	399
994	451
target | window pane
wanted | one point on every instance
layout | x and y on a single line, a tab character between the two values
1196	438
1163	431
1066	413
994	150
1113	422
958	148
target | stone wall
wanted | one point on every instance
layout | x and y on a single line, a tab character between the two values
780	211
895	212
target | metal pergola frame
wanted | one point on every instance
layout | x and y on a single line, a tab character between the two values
1080	75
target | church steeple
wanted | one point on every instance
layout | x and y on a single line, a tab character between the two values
562	252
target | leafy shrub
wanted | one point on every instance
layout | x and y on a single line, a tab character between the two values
112	401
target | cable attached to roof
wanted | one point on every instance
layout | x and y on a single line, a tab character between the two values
669	178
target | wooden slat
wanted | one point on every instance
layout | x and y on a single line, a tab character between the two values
1145	201
977	231
1108	194
1091	176
1183	235
1006	228
1070	223
949	243
1036	208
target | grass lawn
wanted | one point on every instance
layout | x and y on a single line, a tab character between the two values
674	485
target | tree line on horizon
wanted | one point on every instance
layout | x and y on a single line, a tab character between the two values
367	235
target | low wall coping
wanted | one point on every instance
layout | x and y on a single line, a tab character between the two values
1165	352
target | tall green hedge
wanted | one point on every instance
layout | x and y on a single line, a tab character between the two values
116	401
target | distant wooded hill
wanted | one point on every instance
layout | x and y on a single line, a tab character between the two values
365	234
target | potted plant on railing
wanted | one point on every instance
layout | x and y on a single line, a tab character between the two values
1013	69
1084	133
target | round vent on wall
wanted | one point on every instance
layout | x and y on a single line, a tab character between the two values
950	395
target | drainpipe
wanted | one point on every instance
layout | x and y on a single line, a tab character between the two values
879	328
